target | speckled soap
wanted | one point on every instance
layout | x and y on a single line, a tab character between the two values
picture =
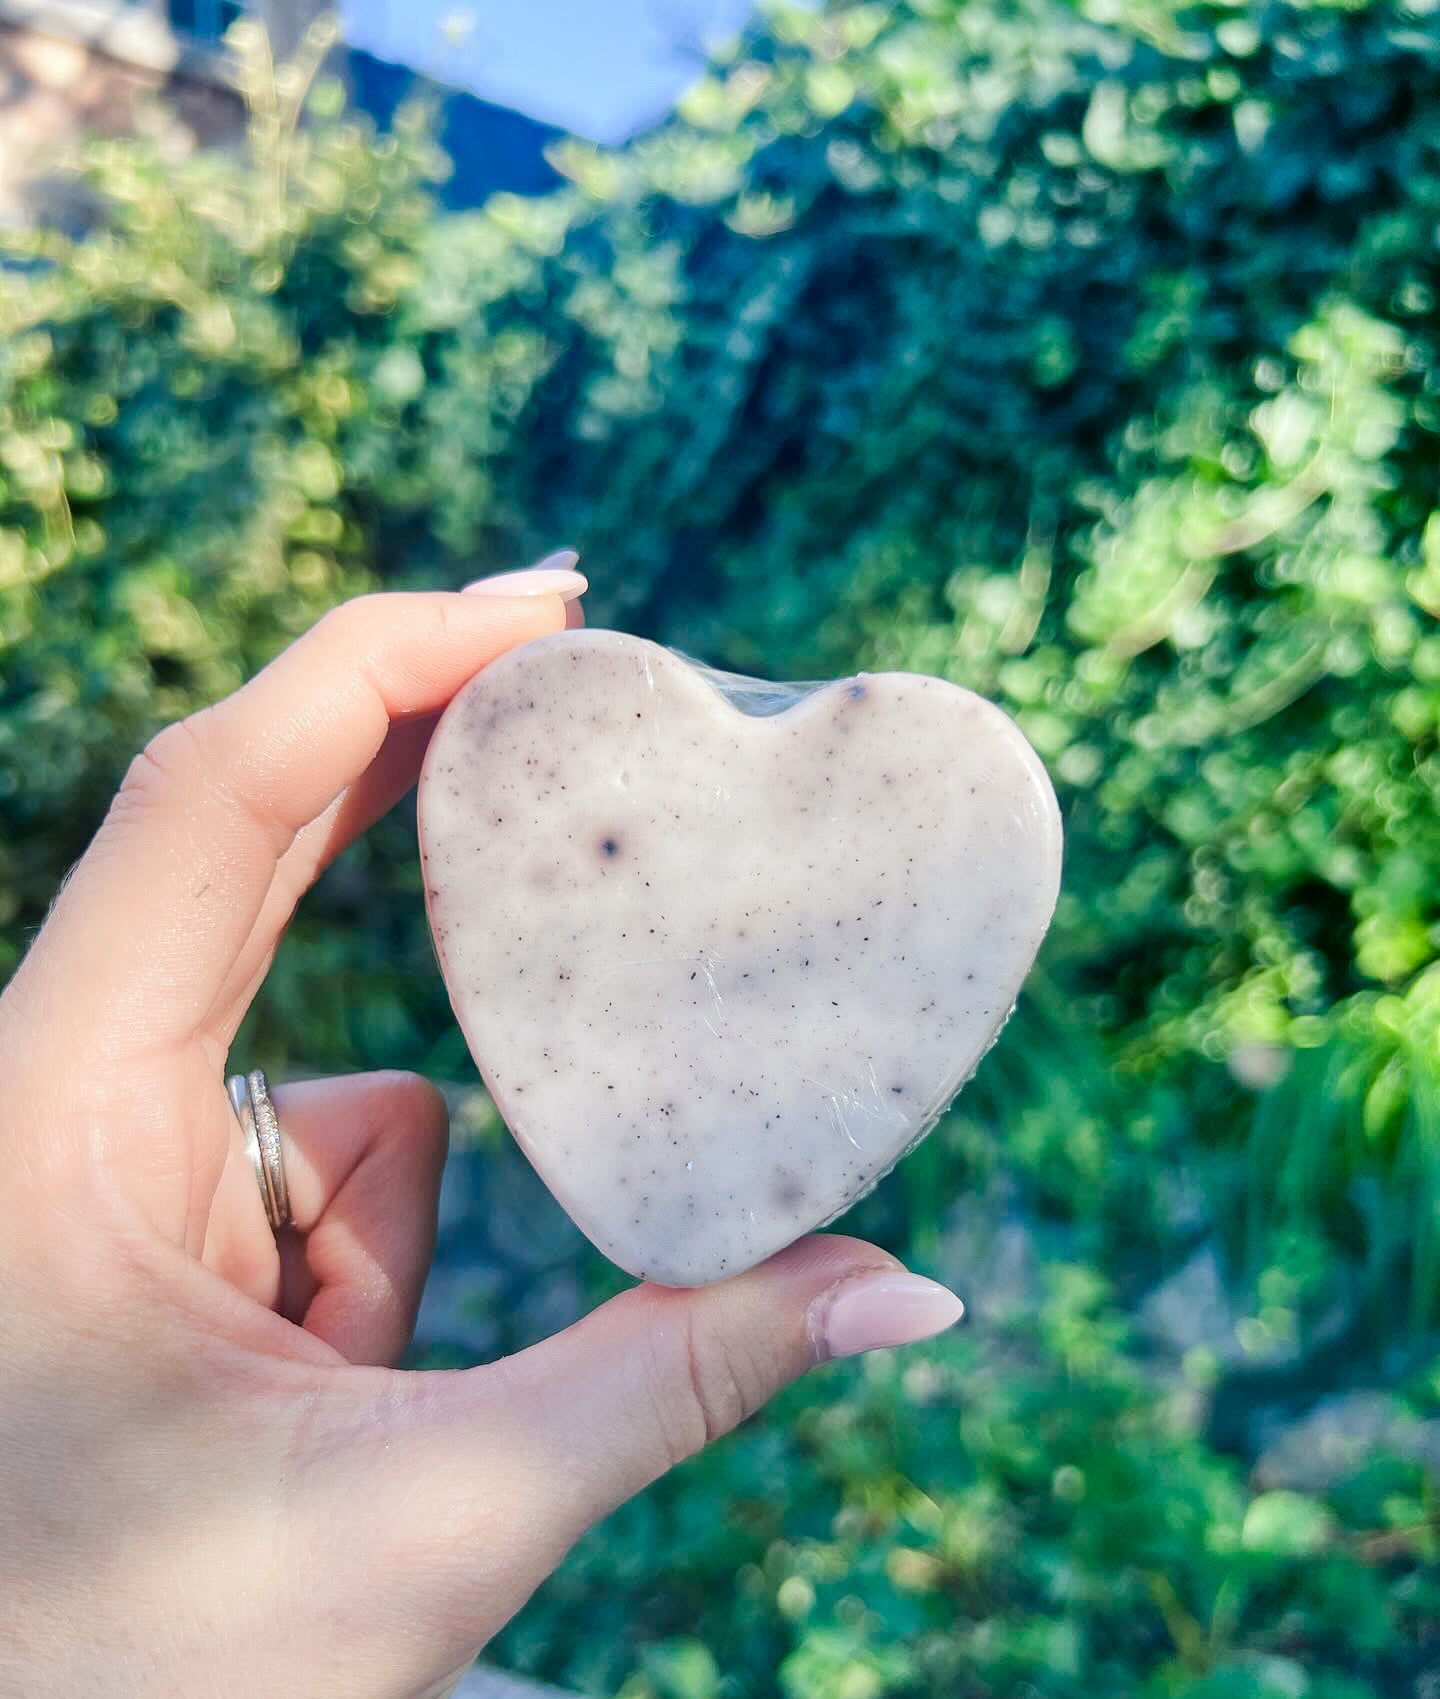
723	956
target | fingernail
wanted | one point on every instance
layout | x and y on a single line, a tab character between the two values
869	1312
552	576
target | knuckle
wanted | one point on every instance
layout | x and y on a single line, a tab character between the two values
362	621
428	1114
713	1384
430	1101
357	627
168	764
406	1125
367	628
349	619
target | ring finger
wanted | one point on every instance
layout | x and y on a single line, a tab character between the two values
363	1158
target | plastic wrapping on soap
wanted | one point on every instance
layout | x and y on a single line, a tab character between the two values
758	697
724	949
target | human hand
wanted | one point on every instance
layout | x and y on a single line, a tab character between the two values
209	1481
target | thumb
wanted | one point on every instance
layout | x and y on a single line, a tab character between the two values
592	1415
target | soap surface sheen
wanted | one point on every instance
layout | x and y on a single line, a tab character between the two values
719	969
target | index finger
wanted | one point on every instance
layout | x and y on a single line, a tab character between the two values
139	947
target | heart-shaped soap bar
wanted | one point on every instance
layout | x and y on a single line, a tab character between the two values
721	969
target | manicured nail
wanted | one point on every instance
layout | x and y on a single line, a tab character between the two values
871	1311
553	576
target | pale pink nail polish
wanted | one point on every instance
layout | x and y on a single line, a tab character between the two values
871	1311
553	576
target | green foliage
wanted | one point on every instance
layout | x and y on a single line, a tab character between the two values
230	406
1082	353
983	1517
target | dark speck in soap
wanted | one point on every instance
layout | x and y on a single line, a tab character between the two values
786	1189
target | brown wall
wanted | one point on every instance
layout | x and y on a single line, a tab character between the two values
55	93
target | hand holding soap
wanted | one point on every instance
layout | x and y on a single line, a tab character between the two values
720	965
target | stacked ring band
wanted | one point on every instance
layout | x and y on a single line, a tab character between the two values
254	1109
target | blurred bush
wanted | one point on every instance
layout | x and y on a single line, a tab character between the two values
263	383
1084	354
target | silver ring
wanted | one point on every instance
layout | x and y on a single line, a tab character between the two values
250	1099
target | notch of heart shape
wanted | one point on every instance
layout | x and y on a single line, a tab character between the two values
721	969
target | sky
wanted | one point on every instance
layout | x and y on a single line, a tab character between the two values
601	68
